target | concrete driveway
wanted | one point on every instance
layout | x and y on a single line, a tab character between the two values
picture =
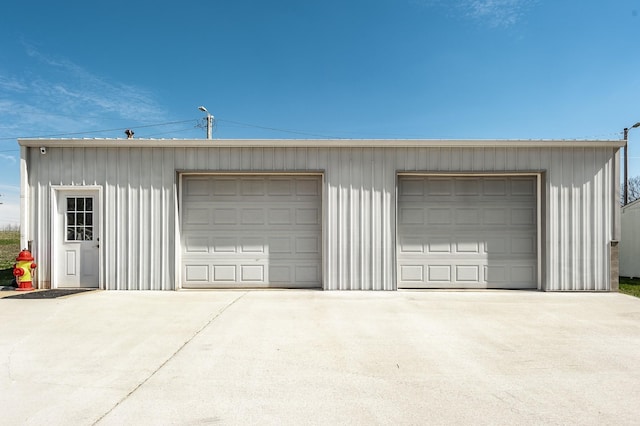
312	357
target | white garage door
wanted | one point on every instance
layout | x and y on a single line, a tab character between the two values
251	231
467	232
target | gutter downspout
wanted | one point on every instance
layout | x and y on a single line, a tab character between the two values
25	231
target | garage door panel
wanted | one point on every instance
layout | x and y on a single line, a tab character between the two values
252	245
524	217
467	187
279	187
252	187
196	216
438	273
225	216
307	273
197	272
523	245
497	245
468	247
252	273
280	216
280	245
412	188
309	244
197	244
496	274
412	273
301	244
224	244
495	187
223	187
307	187
198	188
437	245
252	216
305	276
411	216
306	216
439	187
495	216
260	231
224	273
467	273
478	236
525	187
411	245
466	216
438	216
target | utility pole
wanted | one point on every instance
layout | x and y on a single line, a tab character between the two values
209	121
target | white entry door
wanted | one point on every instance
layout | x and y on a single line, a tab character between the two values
77	242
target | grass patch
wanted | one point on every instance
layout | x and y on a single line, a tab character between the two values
630	286
9	249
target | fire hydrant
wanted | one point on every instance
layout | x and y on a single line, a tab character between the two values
23	270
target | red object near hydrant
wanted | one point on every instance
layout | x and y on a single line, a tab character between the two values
23	270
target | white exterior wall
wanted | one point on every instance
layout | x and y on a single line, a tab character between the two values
630	240
140	184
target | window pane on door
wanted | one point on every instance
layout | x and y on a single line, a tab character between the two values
79	218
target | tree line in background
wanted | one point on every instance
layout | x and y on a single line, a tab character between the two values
634	190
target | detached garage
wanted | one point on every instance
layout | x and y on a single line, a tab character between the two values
138	214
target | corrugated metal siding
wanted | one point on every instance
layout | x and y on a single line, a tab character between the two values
630	240
359	204
138	218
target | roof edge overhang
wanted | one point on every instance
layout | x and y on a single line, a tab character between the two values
318	143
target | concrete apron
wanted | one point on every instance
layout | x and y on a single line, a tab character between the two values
292	357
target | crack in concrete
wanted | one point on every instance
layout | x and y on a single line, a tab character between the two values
153	373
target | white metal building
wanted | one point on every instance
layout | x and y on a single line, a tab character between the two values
330	214
630	240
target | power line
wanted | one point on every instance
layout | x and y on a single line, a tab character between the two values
238	123
94	131
278	130
172	131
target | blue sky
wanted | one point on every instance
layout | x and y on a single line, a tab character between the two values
477	69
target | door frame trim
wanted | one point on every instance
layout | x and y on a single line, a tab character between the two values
55	232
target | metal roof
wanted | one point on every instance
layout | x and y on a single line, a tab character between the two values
317	143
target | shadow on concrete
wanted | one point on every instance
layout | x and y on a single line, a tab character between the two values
50	294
